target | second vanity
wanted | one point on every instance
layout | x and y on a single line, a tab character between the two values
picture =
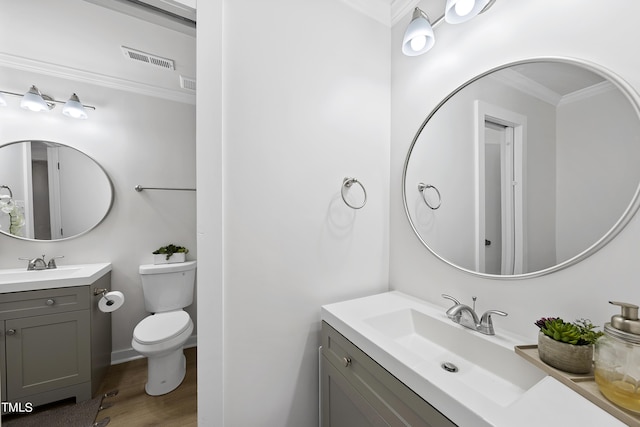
391	359
55	343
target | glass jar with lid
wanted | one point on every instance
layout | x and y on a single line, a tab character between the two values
617	358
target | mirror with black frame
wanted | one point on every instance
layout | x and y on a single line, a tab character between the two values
50	191
525	169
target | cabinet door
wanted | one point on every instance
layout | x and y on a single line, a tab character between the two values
46	352
342	404
383	393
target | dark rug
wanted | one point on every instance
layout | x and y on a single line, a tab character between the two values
81	414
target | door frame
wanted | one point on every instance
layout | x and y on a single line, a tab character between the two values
487	112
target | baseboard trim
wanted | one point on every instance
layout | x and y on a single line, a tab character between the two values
129	354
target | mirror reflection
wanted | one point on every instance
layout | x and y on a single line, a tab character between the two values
50	191
525	169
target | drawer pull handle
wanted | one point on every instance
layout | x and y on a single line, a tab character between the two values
346	361
11	332
51	302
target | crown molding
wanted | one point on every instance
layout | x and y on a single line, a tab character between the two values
526	85
401	8
587	92
387	12
69	73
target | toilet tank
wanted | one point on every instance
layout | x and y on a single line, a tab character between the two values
167	287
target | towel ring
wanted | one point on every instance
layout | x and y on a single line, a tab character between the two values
347	183
422	187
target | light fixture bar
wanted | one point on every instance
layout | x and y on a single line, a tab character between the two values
440	18
419	36
19	95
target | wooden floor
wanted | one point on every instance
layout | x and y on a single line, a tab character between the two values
132	407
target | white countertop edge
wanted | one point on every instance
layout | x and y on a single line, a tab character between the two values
91	273
551	403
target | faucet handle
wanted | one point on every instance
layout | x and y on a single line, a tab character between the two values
449	297
453	316
486	324
52	261
31	264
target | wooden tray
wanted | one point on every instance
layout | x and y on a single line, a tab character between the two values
583	384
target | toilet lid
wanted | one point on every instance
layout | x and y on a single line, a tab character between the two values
161	326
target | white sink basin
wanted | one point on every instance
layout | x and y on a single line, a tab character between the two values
482	367
493	386
16	280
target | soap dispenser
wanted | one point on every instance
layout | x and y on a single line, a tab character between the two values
617	358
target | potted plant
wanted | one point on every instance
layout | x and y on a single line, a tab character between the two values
567	346
170	254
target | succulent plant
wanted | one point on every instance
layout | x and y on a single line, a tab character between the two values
170	249
580	332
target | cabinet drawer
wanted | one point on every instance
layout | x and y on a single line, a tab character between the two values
391	398
46	301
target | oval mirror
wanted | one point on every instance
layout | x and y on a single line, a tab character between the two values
50	191
525	169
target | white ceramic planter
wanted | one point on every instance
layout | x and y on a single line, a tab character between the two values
162	258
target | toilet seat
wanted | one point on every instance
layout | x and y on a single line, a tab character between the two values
161	327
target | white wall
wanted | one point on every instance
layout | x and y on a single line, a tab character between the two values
305	104
209	161
138	140
597	167
510	31
83	184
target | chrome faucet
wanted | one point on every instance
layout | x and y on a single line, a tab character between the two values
40	263
467	317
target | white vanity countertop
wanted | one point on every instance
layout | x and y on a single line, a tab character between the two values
494	387
19	279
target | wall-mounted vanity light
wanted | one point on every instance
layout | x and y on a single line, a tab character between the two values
73	108
419	36
34	100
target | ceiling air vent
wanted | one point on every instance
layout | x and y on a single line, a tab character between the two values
187	83
147	58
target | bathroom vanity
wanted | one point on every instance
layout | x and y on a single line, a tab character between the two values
357	391
55	343
391	359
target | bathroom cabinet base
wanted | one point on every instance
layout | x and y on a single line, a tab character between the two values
358	392
56	343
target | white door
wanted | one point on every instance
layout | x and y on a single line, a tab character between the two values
500	216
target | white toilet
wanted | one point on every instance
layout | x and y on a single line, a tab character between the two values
167	288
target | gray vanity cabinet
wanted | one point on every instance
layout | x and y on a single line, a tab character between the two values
47	353
56	344
358	392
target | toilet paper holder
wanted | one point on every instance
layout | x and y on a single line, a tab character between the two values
102	292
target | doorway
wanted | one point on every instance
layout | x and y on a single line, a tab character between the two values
500	198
